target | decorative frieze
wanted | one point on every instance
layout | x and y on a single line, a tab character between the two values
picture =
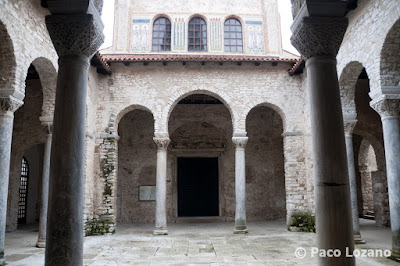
75	34
10	104
319	36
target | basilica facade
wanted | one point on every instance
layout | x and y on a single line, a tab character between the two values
196	112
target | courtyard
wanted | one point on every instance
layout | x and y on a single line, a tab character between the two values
196	243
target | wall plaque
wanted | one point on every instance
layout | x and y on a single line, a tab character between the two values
147	193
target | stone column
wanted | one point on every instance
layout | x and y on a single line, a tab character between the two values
318	39
240	184
76	38
44	199
349	126
161	185
8	105
389	111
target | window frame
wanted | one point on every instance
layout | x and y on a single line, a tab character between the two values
164	44
238	23
203	35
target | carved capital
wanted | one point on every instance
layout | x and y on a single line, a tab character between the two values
349	126
240	142
75	34
162	143
99	5
386	107
319	36
9	104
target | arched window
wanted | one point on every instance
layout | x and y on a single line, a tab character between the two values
23	191
233	35
162	34
197	34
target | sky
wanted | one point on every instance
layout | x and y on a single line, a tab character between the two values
284	10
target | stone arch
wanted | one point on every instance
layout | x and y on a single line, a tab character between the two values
347	85
274	107
375	175
48	79
178	98
133	157
8	64
390	59
126	110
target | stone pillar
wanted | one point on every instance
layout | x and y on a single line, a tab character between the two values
389	111
161	185
44	199
76	38
240	184
349	126
318	39
8	105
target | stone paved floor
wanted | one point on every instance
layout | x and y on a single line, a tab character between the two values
268	243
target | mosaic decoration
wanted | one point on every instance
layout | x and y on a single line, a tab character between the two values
179	34
255	40
141	35
216	36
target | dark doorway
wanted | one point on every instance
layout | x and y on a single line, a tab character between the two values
197	187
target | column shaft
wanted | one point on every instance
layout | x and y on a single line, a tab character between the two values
161	187
64	242
391	136
332	194
6	128
353	190
41	242
240	185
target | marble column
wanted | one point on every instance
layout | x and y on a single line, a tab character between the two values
8	105
76	38
161	185
240	184
348	132
389	109
318	39
44	197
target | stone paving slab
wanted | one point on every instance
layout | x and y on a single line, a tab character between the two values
268	243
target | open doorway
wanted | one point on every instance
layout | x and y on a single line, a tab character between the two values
198	187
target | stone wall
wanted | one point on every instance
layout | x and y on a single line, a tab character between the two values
23	22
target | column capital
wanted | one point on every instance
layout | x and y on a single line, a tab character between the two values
386	107
47	123
319	36
77	34
240	142
162	143
9	104
349	126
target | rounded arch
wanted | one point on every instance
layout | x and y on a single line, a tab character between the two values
347	83
389	57
235	17
274	107
377	146
178	98
128	109
8	63
48	79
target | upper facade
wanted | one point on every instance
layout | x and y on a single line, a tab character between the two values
233	27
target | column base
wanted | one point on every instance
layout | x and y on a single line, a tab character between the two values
240	230
41	243
358	240
160	231
395	256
